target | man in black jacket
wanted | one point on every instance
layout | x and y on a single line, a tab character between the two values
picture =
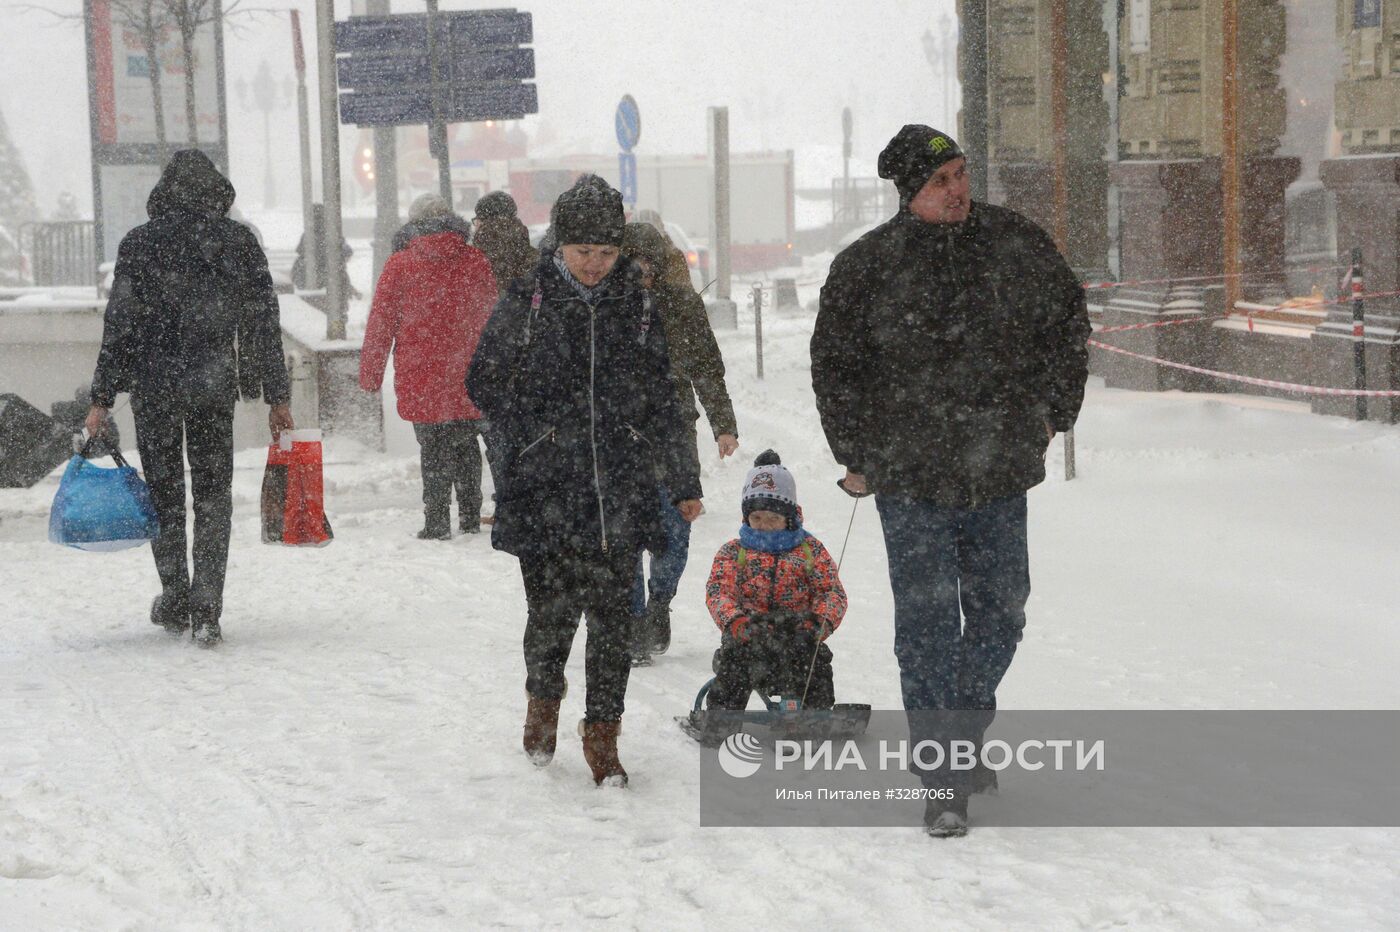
192	322
949	349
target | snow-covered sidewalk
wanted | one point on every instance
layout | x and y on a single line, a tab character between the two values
350	758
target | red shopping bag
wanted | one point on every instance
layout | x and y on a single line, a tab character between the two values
293	505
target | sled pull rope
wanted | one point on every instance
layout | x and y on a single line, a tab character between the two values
811	667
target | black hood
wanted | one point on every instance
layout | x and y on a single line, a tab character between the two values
190	183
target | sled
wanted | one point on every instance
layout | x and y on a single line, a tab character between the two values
783	716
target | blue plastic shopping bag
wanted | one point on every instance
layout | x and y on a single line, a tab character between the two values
102	509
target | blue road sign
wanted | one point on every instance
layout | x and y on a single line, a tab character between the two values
628	123
400	72
466	104
627	177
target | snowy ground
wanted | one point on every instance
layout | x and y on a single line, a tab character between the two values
350	758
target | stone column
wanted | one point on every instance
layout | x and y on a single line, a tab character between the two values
1022	133
1029	189
1170	226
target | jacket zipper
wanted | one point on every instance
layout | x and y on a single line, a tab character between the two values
593	410
593	419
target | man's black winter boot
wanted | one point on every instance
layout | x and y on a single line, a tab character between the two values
206	632
946	818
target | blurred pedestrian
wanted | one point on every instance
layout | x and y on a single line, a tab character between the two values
505	240
697	369
430	307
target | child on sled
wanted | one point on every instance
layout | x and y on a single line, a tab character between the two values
776	597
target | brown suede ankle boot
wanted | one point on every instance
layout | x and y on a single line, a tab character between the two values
600	750
541	724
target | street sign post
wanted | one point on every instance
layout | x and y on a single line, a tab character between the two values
627	177
627	123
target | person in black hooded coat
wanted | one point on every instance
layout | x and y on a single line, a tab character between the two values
191	324
574	375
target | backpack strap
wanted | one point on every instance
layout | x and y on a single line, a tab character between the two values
743	557
645	327
535	301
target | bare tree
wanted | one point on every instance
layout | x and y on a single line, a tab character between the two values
149	20
188	16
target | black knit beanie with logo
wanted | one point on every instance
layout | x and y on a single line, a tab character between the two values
913	155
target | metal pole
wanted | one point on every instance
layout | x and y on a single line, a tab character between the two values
719	135
950	75
1230	153
847	123
758	325
386	179
99	221
1069	455
1059	109
1114	17
330	168
1358	331
304	136
437	130
974	112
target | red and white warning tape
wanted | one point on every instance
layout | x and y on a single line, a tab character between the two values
1092	286
1249	380
1160	323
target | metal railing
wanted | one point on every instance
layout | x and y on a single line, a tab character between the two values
61	253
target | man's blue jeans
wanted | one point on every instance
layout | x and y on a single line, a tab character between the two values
961	578
666	569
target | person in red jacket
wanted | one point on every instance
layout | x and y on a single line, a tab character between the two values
432	302
776	596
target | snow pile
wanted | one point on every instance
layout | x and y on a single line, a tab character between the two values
351	757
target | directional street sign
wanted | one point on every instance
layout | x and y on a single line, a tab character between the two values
466	105
409	31
628	123
399	72
386	66
627	175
